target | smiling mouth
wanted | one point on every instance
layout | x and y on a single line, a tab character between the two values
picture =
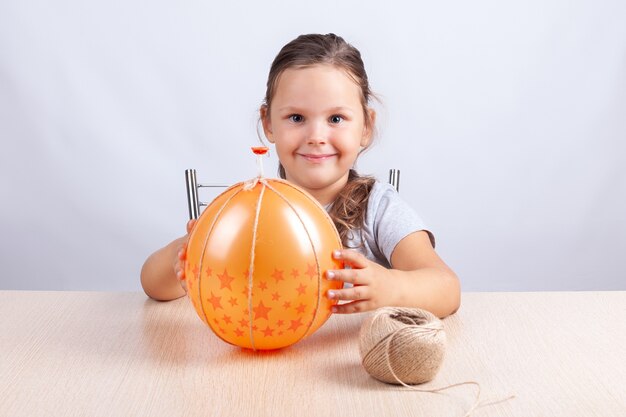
316	157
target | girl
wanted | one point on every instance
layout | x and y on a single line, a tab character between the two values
316	112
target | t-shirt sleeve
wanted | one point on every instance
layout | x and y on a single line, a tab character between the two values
394	220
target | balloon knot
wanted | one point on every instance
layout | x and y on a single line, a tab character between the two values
250	184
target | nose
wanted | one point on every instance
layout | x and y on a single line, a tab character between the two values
317	134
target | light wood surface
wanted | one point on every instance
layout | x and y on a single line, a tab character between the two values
121	354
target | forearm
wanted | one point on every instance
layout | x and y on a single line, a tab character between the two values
435	289
158	277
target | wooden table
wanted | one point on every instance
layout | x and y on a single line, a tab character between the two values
121	354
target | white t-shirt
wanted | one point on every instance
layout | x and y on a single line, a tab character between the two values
388	220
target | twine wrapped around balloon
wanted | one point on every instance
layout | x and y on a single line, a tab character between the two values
255	263
406	346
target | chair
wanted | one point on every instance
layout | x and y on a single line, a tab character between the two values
194	203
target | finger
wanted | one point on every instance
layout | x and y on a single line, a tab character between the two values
353	307
180	272
190	224
360	292
351	276
351	257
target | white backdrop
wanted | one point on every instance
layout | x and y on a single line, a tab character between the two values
507	121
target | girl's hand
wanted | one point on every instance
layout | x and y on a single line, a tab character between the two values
373	286
181	256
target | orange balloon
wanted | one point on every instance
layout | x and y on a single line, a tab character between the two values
256	263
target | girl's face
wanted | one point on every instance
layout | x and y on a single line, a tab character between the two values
317	123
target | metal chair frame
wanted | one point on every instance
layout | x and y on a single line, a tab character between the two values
194	203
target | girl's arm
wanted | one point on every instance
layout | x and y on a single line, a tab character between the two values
419	278
424	279
159	272
163	273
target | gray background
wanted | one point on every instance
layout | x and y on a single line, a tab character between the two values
507	121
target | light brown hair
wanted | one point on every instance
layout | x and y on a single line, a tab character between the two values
350	207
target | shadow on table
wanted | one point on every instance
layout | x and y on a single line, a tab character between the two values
338	334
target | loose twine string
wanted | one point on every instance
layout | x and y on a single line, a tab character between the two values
416	354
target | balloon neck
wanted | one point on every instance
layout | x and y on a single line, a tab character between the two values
259	151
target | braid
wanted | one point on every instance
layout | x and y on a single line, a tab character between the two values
350	207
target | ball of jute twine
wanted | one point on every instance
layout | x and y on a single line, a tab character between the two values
406	346
402	344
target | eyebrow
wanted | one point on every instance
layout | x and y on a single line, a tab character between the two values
295	109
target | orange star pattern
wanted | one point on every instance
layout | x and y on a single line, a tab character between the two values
280	301
215	301
295	324
278	275
301	289
311	271
225	280
261	312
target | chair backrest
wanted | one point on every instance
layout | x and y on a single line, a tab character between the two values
194	203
